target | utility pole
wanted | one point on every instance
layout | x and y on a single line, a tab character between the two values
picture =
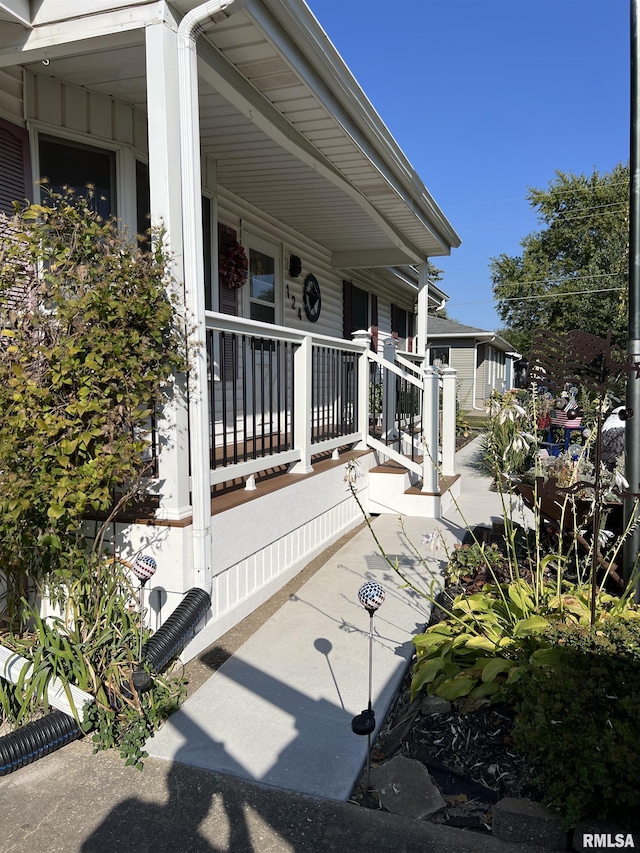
632	428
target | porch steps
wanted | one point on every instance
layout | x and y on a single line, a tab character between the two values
393	490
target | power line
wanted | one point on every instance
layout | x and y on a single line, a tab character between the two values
565	279
541	296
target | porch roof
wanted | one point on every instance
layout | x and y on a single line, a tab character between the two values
441	328
290	130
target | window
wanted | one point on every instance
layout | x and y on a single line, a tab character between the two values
72	165
439	356
359	309
264	279
143	204
262	287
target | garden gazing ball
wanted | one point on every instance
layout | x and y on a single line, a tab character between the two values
371	595
144	567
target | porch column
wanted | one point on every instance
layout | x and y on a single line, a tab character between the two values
389	431
364	390
448	420
430	481
423	309
164	180
303	378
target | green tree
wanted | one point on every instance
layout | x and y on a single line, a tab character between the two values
572	274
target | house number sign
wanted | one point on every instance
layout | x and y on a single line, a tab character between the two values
311	299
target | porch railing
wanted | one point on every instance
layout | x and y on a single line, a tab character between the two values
277	396
413	414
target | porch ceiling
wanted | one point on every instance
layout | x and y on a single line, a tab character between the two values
282	138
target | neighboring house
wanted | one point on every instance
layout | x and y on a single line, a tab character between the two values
483	360
241	128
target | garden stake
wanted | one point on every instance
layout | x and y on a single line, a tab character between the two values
371	596
143	568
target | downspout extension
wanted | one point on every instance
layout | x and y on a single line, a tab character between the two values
188	32
475	371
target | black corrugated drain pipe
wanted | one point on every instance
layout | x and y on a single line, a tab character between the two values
172	636
36	739
56	729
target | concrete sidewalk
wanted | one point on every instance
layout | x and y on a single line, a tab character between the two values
279	711
261	756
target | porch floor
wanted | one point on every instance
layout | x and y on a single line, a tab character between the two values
279	710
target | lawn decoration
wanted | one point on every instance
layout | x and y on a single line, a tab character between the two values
371	596
595	363
143	567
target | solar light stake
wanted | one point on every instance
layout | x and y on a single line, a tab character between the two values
143	568
371	596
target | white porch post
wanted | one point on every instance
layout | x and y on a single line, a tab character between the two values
430	481
431	393
389	431
191	179
423	309
448	420
364	337
164	180
303	377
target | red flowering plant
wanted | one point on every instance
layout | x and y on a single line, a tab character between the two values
233	265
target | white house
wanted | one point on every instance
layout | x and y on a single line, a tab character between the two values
235	123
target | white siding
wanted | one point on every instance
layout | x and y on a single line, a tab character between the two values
11	95
78	110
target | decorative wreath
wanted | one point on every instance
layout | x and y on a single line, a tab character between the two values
233	265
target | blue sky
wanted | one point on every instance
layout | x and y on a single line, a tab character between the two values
487	98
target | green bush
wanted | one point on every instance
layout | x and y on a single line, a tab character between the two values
89	341
577	721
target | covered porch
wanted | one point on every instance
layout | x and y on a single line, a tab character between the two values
237	123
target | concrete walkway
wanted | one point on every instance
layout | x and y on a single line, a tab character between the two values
279	711
276	716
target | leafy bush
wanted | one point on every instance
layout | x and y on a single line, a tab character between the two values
485	644
467	559
463	427
89	340
507	442
577	721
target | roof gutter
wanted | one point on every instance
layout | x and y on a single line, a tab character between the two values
188	32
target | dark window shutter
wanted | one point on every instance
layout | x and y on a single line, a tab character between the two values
374	322
410	330
15	165
347	313
228	304
394	320
228	295
374	310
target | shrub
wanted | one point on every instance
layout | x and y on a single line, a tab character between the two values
577	721
89	340
89	344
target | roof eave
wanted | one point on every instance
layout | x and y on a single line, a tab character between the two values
353	109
